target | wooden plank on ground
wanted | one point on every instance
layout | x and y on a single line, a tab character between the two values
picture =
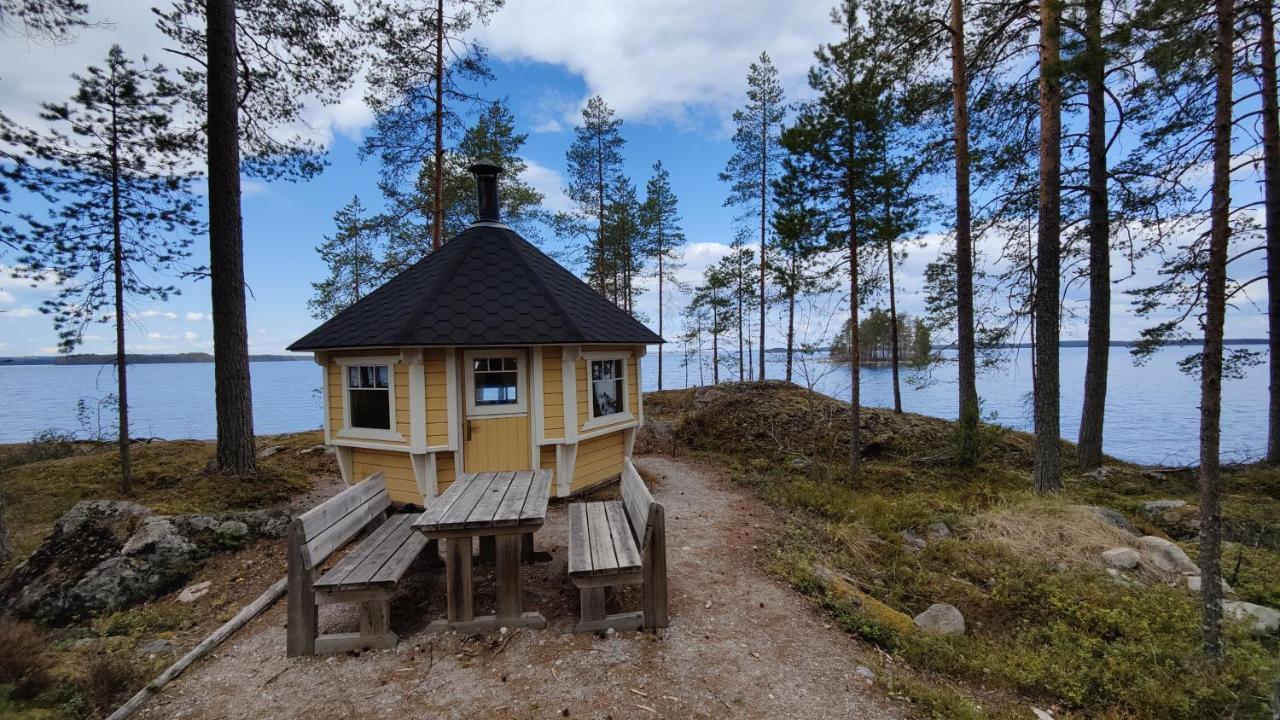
624	544
600	540
490	500
513	502
579	541
535	505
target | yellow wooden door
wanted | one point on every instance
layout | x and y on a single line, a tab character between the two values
496	430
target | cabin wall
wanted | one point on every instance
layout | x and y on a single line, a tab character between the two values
446	471
395	466
433	366
599	459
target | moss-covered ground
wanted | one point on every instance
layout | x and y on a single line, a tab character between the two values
1046	626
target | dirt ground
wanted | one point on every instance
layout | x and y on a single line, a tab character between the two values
739	645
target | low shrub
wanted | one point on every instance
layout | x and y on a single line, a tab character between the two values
109	681
146	620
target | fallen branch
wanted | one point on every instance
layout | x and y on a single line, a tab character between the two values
228	628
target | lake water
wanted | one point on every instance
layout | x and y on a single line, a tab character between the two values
1152	410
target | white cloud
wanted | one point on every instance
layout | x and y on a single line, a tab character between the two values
197	316
21	312
190	335
7	298
549	183
153	313
44	283
658	59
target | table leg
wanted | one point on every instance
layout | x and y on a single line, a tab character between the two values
458	571
508	576
526	547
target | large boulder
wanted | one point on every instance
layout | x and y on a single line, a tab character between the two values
107	555
1109	516
1262	620
941	619
1167	557
1121	558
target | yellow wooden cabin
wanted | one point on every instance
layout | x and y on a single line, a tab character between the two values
487	355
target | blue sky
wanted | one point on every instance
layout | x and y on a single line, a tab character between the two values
673	70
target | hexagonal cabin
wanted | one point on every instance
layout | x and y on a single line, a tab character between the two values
486	355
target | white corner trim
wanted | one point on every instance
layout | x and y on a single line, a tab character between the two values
566	459
569	380
628	441
639	390
424	472
343	456
417	400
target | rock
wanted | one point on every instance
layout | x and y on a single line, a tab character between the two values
1179	519
1109	516
1167	557
913	540
941	619
191	593
1194	584
269	451
1099	473
705	396
937	531
800	463
865	673
1263	620
318	450
156	647
1041	714
232	533
1121	558
1155	475
1152	508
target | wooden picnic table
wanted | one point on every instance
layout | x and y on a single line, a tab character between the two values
506	506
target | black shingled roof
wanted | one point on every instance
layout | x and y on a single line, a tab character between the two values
487	286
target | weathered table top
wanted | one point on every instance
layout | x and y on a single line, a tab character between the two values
489	503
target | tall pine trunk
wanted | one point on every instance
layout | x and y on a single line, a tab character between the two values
1271	181
233	395
742	355
967	425
791	321
437	192
764	212
661	252
893	300
855	352
715	345
1211	358
117	269
1089	450
1048	463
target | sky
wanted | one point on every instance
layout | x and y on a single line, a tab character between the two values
673	70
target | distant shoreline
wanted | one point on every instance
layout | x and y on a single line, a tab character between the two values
1063	343
138	359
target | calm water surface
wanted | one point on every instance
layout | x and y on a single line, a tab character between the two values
1152	410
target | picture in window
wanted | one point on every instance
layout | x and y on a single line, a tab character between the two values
369	396
496	381
606	387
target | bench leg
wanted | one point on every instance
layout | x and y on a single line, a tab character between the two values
457	562
375	617
655	574
303	618
526	547
508	575
592	601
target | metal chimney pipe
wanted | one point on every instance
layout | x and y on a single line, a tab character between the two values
487	189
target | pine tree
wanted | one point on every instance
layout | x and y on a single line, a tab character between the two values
623	251
121	211
595	162
663	238
712	301
351	256
795	262
756	162
254	65
54	21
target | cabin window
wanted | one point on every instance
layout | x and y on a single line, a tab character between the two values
369	396
608	396
496	384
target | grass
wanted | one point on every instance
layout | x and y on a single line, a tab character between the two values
1046	626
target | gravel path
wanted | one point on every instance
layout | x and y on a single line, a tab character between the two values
739	645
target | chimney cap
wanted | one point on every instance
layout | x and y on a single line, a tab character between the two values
485	168
486	175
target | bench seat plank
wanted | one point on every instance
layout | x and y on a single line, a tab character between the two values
624	544
600	540
392	544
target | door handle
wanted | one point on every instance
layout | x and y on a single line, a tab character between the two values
468	429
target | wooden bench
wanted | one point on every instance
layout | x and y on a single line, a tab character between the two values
367	575
619	542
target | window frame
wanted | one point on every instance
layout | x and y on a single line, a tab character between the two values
623	415
519	407
350	431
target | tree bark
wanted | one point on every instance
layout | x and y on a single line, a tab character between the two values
660	254
791	321
715	344
1089	449
967	424
764	211
232	392
117	269
893	301
1211	358
741	290
437	193
855	352
1271	182
1048	464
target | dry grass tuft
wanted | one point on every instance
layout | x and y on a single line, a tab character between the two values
1049	531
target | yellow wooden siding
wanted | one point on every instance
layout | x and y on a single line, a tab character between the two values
552	394
498	444
547	457
402	399
433	364
445	471
599	459
395	466
633	386
334	371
